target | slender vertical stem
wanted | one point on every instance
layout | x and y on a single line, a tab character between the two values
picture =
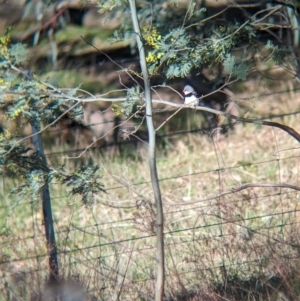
152	158
47	210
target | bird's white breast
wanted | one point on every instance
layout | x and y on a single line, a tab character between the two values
192	99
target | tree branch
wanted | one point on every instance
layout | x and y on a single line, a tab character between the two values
234	190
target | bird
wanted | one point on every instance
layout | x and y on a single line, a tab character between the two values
190	96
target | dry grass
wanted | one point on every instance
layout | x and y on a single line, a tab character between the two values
241	246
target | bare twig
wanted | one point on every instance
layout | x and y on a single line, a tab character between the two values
114	62
234	190
209	18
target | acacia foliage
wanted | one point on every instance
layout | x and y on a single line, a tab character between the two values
186	38
24	97
179	41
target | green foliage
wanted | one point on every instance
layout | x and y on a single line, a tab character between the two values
279	54
229	63
240	71
126	107
18	53
22	95
221	42
107	6
178	53
192	12
25	98
83	182
19	162
171	52
117	36
33	101
33	181
14	160
174	2
132	95
191	9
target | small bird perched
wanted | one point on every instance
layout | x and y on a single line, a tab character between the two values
190	96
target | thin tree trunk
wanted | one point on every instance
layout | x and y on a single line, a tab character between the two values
47	211
159	292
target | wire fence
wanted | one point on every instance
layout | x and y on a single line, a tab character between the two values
245	239
93	248
173	135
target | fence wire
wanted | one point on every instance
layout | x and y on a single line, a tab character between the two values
109	251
